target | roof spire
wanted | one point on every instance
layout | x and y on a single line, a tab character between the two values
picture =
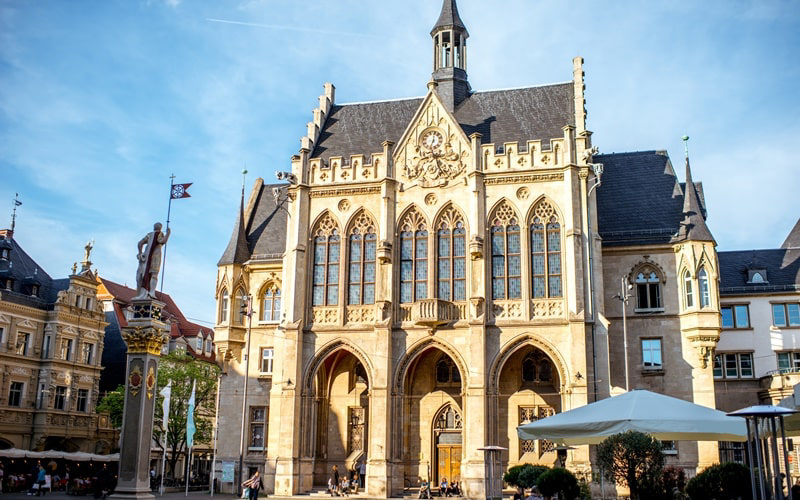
450	56
238	250
693	225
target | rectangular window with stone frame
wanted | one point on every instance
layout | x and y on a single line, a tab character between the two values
651	354
23	340
258	428
15	391
83	400
60	400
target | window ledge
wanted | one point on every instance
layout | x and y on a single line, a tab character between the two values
736	329
265	375
652	310
268	322
669	452
652	372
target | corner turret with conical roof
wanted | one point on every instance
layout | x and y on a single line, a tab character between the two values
237	251
450	56
693	226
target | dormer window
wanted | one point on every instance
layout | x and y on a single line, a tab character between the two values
756	276
35	290
5	253
198	345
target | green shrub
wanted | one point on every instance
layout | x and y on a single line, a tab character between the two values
633	459
726	481
524	476
559	481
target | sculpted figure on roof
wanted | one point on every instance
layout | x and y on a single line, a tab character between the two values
149	262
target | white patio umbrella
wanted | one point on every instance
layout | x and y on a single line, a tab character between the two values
664	417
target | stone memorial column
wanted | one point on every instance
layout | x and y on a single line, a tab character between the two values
145	336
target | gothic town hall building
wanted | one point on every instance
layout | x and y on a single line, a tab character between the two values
439	270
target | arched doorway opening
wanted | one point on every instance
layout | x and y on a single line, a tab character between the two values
340	414
432	423
528	389
447	439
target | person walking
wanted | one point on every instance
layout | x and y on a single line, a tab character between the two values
255	484
335	478
362	473
40	480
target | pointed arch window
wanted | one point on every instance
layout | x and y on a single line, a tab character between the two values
447	371
271	304
648	290
688	292
546	252
224	305
451	265
361	284
413	259
506	263
703	288
325	285
240	307
448	419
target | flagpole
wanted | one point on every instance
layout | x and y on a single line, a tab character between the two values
165	421
169	209
216	436
188	471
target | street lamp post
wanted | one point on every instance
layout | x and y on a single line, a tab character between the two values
247	311
623	297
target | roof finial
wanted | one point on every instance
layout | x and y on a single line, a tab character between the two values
686	145
14	212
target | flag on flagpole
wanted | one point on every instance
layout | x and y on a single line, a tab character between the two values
17	202
167	393
190	427
178	191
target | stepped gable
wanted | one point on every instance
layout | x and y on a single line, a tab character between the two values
512	115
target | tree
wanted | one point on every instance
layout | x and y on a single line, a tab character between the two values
183	369
634	459
113	403
524	476
722	482
559	481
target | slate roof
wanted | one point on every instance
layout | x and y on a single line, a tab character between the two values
260	231
24	271
511	115
449	17
782	266
640	200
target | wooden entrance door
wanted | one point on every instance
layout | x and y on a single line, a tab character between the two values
448	462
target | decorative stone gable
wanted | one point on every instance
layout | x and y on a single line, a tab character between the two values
433	152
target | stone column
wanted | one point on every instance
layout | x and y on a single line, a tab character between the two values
145	335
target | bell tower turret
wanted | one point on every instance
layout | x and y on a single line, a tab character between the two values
450	56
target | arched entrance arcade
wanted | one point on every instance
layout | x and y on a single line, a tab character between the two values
429	438
527	384
335	411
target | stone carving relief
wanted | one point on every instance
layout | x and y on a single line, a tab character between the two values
436	151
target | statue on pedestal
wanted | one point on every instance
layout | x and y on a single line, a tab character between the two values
150	262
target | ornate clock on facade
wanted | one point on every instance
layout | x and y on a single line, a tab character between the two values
432	139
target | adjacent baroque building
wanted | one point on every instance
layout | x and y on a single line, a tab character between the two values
439	270
51	343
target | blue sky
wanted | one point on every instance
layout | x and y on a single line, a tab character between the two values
100	101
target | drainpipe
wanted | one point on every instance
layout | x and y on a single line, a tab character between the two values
597	169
